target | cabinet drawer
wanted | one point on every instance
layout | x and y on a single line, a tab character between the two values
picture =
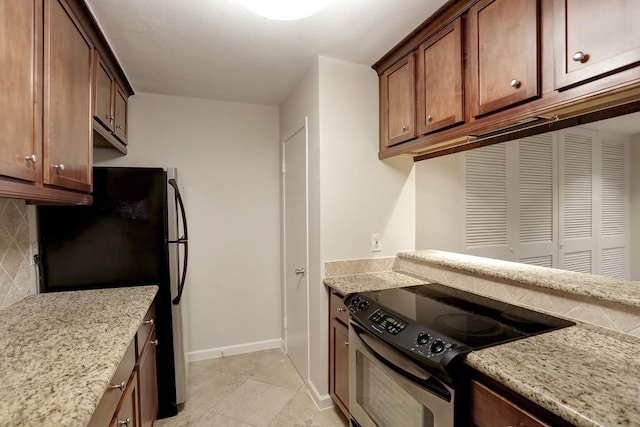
337	309
490	409
145	329
109	402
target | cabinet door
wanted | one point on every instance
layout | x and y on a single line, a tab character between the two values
505	37
67	109
398	100
19	103
593	38
120	115
103	93
127	408
440	93
147	382
339	364
489	409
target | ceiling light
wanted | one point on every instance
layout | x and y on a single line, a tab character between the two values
284	10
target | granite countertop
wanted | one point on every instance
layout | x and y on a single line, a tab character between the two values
600	287
587	375
58	352
372	281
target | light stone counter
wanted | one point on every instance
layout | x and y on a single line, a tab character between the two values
587	375
599	287
58	352
371	281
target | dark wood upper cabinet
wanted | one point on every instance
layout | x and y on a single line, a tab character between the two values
120	114
20	147
397	102
440	80
594	38
68	63
505	53
103	93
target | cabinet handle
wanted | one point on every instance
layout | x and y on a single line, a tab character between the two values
120	386
345	343
59	167
32	158
580	56
404	128
341	310
147	322
109	117
429	117
118	126
124	422
515	83
154	342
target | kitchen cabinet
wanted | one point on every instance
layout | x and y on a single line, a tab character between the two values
440	80
489	408
67	147
339	352
398	102
132	394
593	39
110	102
20	147
504	54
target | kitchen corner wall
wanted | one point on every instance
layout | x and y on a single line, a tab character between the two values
228	164
351	193
15	270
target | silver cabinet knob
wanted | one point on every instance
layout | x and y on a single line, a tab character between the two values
154	342
515	83
147	322
429	117
120	386
404	128
108	117
59	167
299	271
341	310
124	422
580	56
32	158
118	126
345	343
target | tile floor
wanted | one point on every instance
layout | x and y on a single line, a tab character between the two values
260	389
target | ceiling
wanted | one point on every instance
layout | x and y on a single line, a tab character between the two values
217	49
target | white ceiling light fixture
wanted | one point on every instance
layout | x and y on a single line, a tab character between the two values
284	10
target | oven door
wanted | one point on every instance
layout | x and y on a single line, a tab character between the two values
386	389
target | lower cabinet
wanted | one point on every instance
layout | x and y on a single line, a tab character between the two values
131	399
339	353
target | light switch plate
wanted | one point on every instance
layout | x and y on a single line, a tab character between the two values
376	242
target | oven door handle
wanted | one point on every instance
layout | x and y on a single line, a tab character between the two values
401	364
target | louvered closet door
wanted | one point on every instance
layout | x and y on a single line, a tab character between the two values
613	242
536	215
576	233
486	202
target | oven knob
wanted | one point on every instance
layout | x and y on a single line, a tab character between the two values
437	346
362	305
423	338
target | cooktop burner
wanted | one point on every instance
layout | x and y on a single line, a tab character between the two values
435	324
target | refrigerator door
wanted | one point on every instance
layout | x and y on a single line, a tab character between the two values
178	250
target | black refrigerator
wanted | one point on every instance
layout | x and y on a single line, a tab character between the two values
134	233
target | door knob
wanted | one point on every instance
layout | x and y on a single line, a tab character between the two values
299	271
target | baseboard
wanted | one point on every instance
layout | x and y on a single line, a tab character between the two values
213	353
322	401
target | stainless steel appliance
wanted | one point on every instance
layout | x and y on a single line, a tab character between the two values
407	345
135	233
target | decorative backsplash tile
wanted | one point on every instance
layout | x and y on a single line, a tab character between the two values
358	266
15	270
609	315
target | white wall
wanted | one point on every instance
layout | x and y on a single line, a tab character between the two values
439	203
635	207
351	193
227	158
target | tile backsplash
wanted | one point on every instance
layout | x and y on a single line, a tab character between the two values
15	265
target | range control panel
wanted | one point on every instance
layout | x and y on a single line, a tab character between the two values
387	321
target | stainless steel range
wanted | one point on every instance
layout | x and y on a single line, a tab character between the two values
407	345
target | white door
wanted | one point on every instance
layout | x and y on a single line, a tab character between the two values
295	249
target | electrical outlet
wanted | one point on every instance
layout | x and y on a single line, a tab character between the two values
376	242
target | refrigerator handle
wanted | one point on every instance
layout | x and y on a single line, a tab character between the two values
184	240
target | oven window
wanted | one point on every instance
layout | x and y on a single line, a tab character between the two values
385	401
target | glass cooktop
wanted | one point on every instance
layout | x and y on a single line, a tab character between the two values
468	318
